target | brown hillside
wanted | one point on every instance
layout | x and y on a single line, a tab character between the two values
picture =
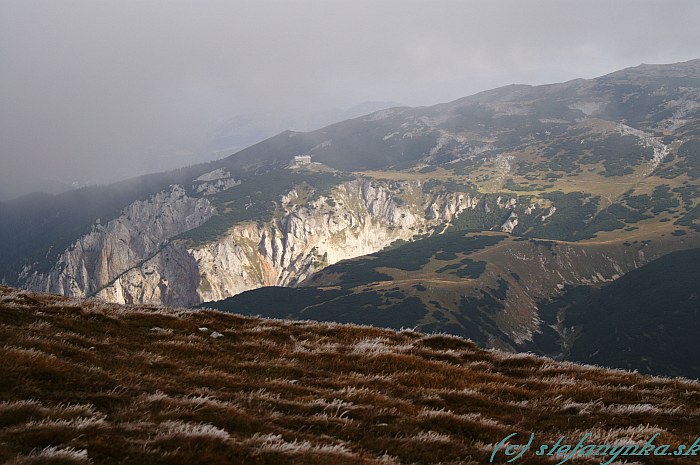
86	382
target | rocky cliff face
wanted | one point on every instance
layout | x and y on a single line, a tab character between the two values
357	219
99	257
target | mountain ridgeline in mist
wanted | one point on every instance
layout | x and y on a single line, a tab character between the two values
495	216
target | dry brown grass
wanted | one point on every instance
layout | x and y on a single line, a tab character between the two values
85	382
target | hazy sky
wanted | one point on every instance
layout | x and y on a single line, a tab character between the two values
95	90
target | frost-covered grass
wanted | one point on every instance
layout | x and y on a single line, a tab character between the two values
88	382
52	454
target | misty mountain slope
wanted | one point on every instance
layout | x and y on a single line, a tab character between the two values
600	160
516	117
240	131
171	386
38	227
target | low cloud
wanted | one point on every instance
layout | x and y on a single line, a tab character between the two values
96	91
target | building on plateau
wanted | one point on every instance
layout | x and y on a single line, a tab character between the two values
301	160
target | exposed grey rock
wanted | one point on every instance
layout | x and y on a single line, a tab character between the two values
133	258
101	256
364	219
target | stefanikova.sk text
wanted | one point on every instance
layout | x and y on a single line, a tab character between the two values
513	451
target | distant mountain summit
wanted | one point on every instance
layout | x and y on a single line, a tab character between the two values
242	131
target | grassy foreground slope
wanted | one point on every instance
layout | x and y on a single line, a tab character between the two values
86	382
